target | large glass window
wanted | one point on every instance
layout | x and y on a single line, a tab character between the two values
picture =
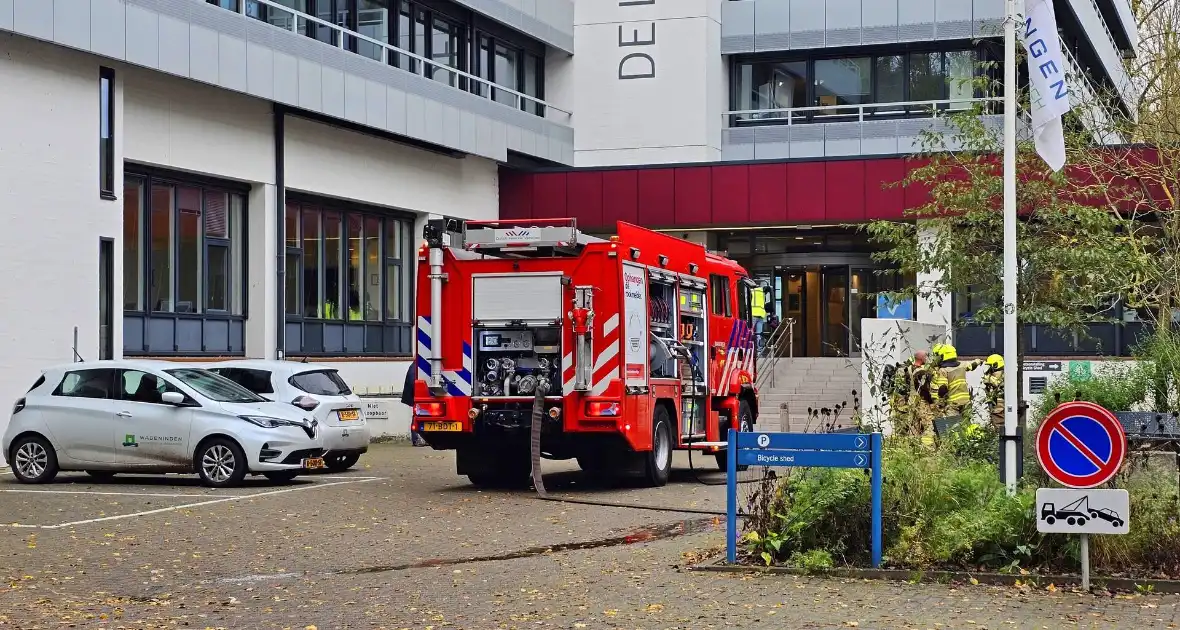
446	48
356	289
133	244
373	21
846	81
889	80
353	264
194	258
960	74
927	78
771	86
508	66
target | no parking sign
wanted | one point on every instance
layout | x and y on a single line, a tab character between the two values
1081	445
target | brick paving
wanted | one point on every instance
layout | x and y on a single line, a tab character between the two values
390	553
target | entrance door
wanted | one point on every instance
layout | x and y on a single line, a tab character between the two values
793	306
106	298
835	311
862	287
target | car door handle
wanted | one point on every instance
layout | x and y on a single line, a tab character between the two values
124	414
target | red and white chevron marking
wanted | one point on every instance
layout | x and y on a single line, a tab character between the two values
606	363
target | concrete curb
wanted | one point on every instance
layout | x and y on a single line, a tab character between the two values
947	577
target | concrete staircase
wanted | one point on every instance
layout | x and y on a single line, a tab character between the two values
801	383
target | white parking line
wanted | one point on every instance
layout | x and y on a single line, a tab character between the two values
108	494
185	506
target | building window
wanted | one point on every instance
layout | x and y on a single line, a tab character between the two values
106	133
447	38
184	246
347	273
892	83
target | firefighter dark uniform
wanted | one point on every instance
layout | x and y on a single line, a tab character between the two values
993	387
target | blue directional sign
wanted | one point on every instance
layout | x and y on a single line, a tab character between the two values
887	308
822	450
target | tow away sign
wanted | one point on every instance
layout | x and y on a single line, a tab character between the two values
1066	511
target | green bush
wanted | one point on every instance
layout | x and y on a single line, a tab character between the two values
947	508
1116	387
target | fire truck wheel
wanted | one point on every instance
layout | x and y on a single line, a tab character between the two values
659	459
745	424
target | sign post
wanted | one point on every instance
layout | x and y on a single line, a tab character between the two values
1082	445
820	450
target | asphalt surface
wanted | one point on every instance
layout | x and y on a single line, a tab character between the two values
402	542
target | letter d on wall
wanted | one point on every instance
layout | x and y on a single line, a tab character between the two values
638	69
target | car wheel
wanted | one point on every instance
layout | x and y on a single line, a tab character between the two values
34	460
1093	514
745	425
281	476
101	475
337	463
659	459
221	463
1117	523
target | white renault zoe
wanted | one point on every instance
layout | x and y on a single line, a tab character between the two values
106	417
319	391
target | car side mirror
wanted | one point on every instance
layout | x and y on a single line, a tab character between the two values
172	398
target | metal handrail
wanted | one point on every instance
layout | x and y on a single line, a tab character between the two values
387	49
768	356
860	109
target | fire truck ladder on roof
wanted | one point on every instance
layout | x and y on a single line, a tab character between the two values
526	238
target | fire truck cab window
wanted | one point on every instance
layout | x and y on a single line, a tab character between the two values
719	287
743	296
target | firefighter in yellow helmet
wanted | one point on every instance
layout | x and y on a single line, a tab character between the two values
951	380
993	387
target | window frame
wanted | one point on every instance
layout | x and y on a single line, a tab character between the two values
719	288
348	212
106	152
238	280
980	50
112	384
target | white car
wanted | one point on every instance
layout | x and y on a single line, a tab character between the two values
316	389
106	417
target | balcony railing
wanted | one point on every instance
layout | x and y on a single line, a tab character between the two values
347	39
858	113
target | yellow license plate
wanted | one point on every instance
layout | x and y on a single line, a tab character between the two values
350	414
313	463
442	426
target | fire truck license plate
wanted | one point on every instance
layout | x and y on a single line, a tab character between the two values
350	414
442	426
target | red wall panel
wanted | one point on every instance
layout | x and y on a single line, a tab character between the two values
882	200
584	197
845	194
549	196
516	195
806	182
768	193
694	196
620	197
916	194
731	194
657	197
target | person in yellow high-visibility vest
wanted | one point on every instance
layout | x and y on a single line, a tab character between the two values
758	311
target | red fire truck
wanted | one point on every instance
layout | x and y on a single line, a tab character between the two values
635	345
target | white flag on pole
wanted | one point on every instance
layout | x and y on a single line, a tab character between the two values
1049	91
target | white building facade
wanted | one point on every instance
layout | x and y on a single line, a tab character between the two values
194	180
204	179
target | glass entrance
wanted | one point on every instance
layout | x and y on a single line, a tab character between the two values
835	311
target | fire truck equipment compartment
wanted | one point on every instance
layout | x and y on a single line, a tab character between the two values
526	297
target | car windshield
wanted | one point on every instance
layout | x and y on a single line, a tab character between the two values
321	383
214	387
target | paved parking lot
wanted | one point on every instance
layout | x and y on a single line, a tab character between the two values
401	542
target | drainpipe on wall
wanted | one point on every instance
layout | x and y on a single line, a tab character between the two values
280	114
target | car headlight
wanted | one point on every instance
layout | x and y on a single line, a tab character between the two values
267	422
